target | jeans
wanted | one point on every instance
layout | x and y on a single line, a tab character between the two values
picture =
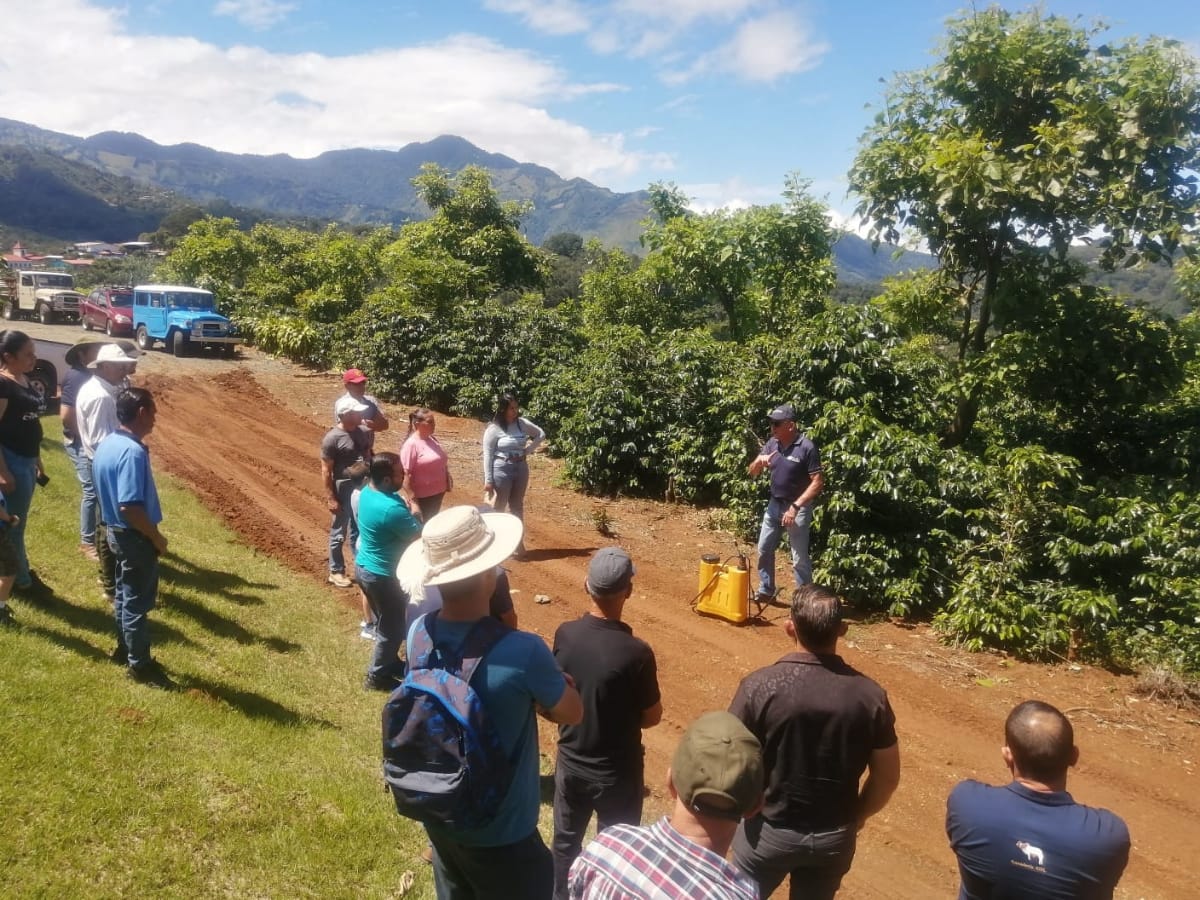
768	541
341	525
137	589
510	478
816	861
389	603
18	501
576	797
88	507
518	871
108	562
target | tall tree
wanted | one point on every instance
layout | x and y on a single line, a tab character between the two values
1029	135
761	266
472	226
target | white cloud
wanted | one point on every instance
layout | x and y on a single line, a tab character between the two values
257	14
732	194
548	16
763	49
685	12
247	100
685	39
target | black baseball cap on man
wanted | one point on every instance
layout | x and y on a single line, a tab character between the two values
783	413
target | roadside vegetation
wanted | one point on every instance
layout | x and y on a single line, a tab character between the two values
258	777
1011	451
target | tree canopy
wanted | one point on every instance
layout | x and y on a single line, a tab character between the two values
1031	134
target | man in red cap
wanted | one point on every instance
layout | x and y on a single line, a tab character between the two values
373	419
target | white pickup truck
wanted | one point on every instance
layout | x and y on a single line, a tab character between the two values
48	296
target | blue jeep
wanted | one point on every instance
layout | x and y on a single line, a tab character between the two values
183	318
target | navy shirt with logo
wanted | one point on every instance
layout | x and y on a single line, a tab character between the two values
1015	842
792	467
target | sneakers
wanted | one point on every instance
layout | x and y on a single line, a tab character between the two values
120	656
386	683
6	617
339	579
151	674
367	631
89	550
35	589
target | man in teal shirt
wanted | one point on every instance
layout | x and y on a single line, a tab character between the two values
386	526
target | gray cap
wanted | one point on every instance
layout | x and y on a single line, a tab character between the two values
783	413
610	571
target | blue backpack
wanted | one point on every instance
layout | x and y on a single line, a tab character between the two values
442	755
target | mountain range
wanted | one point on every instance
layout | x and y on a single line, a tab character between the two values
115	185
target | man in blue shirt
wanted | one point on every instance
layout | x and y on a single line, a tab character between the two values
504	859
795	466
129	507
1030	839
386	527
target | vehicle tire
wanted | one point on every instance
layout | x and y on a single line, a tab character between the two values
108	328
84	323
144	341
179	344
41	379
45	314
229	351
10	312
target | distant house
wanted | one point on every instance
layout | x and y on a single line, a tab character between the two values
20	258
97	248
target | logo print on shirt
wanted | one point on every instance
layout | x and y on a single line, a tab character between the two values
1032	853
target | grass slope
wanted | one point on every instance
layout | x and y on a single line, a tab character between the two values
259	777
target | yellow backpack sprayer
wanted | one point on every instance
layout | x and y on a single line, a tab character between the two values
725	588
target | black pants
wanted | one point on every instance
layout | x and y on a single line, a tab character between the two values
519	871
817	861
576	797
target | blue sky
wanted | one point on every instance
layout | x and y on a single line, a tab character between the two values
723	97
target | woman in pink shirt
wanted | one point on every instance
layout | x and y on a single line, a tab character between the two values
426	466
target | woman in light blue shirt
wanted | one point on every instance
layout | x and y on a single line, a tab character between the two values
507	441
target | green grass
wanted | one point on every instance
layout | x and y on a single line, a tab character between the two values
259	777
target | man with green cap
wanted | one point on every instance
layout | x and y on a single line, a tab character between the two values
716	780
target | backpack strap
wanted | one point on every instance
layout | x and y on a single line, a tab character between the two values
420	647
483	636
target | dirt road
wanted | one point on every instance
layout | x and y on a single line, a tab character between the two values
245	436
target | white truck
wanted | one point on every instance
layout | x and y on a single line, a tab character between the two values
47	296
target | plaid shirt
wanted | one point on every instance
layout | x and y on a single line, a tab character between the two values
654	863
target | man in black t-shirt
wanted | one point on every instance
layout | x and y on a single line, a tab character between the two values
599	766
821	724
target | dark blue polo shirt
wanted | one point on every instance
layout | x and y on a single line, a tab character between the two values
793	468
1015	843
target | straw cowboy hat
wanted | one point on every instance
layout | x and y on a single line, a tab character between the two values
457	543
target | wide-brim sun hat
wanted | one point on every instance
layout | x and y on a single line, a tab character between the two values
457	543
87	340
113	353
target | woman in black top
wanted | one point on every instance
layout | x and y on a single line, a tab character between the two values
20	439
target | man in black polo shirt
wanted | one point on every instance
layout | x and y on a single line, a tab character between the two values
821	724
599	766
796	480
